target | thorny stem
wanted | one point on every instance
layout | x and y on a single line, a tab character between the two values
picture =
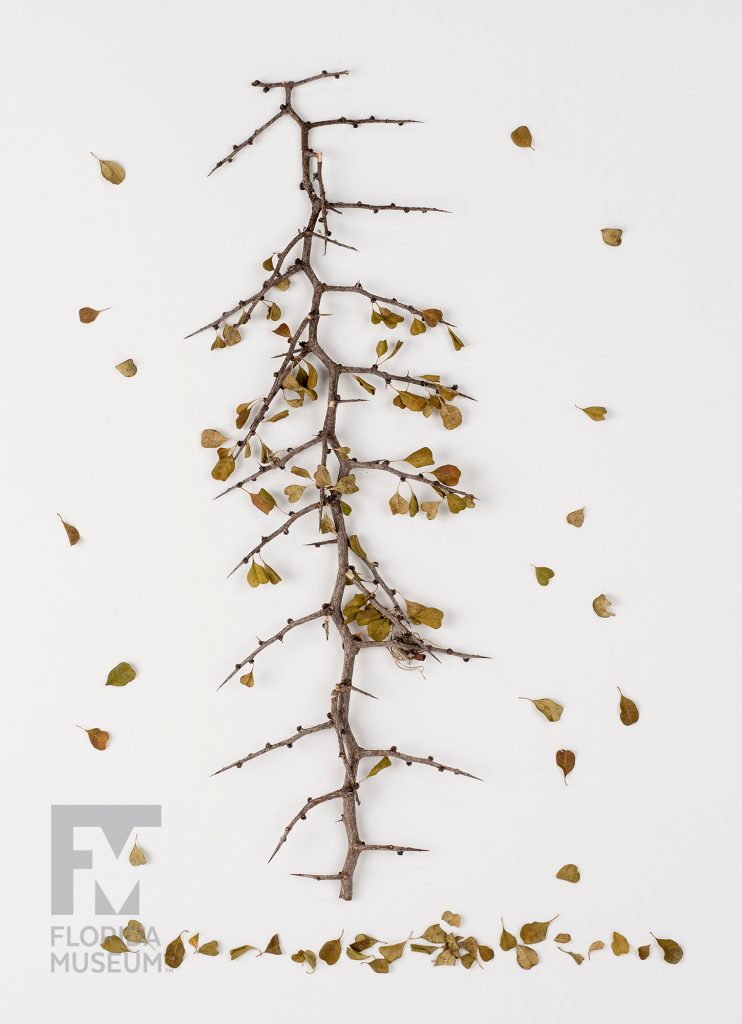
403	643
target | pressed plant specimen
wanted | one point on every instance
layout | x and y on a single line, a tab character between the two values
362	607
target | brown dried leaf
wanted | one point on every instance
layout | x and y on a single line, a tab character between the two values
394	952
672	951
175	952
210	948
113	944
379	966
136	854
417	327
526	957
224	468
455	340
576	518
577	957
111	170
598	944
434	934
487	953
602	607
643	952
193	941
535	931
231	335
453	919
87	314
451	416
73	534
550	709
274	946
238	951
595	412
211	438
127	369
507	939
569	873
248	680
330	951
263	501
611	236
283	331
430	508
448	475
134	933
98	737
399	506
620	944
365	385
565	760
122	674
563	937
628	711
522	137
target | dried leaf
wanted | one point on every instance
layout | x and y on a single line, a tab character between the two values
535	931
448	475
379	966
238	951
434	934
563	937
355	954
268	263
455	340
224	468
283	331
274	946
569	873
175	952
294	492
643	952
550	709
577	957
127	369
576	518
451	416
420	615
672	951
416	947
193	941
628	711
113	944
381	348
278	416
211	438
330	951
365	384
134	933
399	506
598	944
136	854
98	737
446	958
73	534
430	508
487	953
322	476
611	236
565	760
209	948
595	412
284	284
394	952
248	680
87	314
300	471
526	957
417	327
111	170
602	607
326	524
379	767
522	137
263	501
543	574
507	939
450	918
421	457
620	944
273	312
122	674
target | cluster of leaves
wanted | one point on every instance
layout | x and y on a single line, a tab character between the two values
440	941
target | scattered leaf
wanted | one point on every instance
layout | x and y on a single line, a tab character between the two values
209	948
330	951
434	934
379	966
602	607
193	941
522	137
111	170
98	737
450	918
643	952
595	412
598	944
628	711
134	933
455	340
611	236
563	937
122	674
565	760
274	946
576	518
569	873
526	957
87	314
73	534
175	952
620	944
136	854
577	957
672	951
535	931
394	952
550	709
487	953
113	944
543	574
238	951
421	457
127	369
507	939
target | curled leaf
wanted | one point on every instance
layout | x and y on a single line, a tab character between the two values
455	340
73	534
224	468
569	873
522	137
248	680
121	675
450	918
393	952
134	933
565	760
379	766
420	615
598	944
379	966
577	957
628	711
238	951
611	236
127	369
111	170
602	607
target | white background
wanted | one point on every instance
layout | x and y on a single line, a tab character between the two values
634	111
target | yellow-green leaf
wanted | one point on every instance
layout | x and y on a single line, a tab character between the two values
379	767
421	457
224	468
114	944
175	952
424	616
122	674
569	873
543	574
209	948
611	236
595	412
